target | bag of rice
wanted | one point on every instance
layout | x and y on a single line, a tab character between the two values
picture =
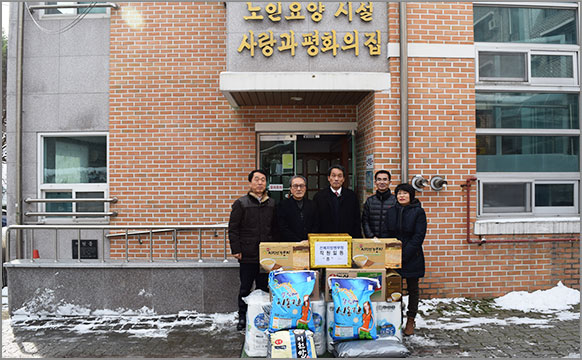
257	322
353	313
296	343
389	319
319	310
290	307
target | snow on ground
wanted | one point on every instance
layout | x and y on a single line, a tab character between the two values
545	309
559	297
548	306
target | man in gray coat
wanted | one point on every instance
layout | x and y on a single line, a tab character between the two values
376	207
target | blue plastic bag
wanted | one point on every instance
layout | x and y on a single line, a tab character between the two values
290	307
354	316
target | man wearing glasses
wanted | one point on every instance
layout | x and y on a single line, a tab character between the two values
376	207
297	214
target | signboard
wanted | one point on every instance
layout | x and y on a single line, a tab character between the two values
306	36
275	187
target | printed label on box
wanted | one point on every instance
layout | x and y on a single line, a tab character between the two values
331	253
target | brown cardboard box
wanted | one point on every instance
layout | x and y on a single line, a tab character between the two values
284	255
393	253
393	286
330	250
368	253
380	274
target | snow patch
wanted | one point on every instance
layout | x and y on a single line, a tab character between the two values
559	297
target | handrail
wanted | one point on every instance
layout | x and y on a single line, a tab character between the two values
63	213
205	227
75	6
29	200
150	230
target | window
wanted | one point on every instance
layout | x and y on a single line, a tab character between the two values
524	25
68	11
529	66
539	197
74	166
527	113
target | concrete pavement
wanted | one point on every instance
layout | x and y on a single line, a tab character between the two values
484	333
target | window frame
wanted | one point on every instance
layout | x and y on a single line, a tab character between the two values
532	85
532	179
528	50
42	14
74	188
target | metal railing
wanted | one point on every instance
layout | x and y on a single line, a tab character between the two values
146	229
70	213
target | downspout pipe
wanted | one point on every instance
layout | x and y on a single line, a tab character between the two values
18	127
403	93
467	186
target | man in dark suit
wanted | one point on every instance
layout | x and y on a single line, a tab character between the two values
297	214
338	207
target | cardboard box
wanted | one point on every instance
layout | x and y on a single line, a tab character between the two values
393	253
330	250
393	286
284	255
368	253
380	274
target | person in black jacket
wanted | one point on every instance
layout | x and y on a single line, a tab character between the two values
253	220
297	214
338	207
407	223
376	207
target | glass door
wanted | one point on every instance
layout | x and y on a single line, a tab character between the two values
277	157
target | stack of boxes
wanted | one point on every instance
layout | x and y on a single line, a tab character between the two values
340	255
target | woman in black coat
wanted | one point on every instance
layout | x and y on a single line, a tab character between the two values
407	222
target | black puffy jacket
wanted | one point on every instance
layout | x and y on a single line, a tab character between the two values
251	222
408	224
374	214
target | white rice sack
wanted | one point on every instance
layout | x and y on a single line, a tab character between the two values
291	344
257	322
319	311
389	319
329	325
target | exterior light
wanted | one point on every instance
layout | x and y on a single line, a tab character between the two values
296	98
418	182
437	183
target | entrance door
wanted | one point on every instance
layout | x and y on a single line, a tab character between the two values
316	153
283	155
277	157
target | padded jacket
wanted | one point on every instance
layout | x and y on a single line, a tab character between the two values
374	214
251	222
408	224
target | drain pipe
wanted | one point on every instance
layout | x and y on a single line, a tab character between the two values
18	128
467	186
403	94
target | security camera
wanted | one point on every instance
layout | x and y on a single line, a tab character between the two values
418	182
437	183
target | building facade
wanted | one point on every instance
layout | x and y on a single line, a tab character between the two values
166	107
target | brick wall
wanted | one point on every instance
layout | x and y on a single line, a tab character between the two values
442	142
180	155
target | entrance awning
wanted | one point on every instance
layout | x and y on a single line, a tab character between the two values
300	88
